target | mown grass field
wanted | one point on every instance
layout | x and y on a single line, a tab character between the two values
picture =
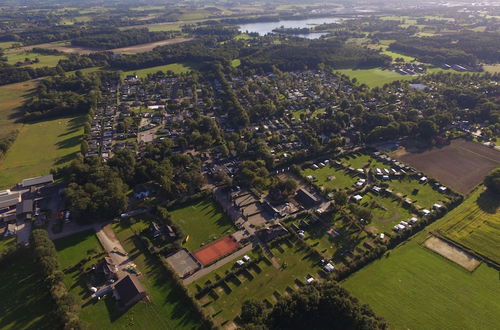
25	302
164	27
265	281
41	146
386	212
174	67
421	194
374	77
414	288
203	221
11	98
45	60
330	178
476	224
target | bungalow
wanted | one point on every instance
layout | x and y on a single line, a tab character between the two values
128	291
306	199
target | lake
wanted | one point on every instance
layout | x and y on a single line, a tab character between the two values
263	28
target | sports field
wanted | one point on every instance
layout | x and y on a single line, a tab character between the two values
216	250
462	165
39	147
374	77
475	224
415	288
203	222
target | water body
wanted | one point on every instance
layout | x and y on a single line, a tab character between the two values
263	28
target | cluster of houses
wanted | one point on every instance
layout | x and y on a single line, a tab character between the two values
408	69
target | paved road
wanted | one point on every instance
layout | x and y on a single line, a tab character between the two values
218	264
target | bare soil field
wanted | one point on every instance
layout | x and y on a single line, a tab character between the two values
452	253
81	50
462	165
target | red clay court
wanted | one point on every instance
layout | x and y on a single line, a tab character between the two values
216	250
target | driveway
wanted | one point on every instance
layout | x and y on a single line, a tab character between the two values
115	250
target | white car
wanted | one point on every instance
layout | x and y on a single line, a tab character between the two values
246	258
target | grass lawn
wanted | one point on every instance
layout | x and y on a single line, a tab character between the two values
45	60
341	179
6	243
386	212
7	44
374	77
26	302
421	194
41	146
296	113
476	224
262	282
174	67
203	222
11	97
242	36
395	55
236	63
363	161
414	288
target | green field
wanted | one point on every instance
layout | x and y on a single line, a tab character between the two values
25	303
421	194
45	60
495	68
374	77
236	63
476	224
262	282
386	212
164	27
164	312
363	161
330	178
395	55
11	98
41	146
174	67
203	222
414	288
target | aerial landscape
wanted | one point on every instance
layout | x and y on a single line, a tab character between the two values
283	164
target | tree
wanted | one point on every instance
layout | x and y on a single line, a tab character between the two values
427	129
492	181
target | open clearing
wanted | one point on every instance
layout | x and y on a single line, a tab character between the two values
203	222
475	224
25	302
415	288
66	48
11	98
462	165
41	146
374	77
452	253
44	60
176	68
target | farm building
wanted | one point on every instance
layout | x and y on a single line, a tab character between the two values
9	199
37	181
306	199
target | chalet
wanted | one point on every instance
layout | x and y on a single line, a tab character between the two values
306	199
128	291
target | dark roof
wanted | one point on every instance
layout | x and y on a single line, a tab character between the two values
128	289
37	181
26	206
306	198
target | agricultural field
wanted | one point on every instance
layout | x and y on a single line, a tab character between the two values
330	178
26	302
164	27
495	68
475	224
147	47
203	221
415	288
11	98
266	280
41	146
45	60
176	68
421	194
374	77
461	165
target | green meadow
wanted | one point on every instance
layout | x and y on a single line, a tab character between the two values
374	77
176	68
45	60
